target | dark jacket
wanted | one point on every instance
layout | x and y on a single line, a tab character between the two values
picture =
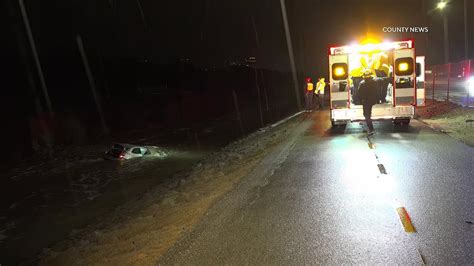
368	90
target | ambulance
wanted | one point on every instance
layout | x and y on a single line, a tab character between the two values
395	63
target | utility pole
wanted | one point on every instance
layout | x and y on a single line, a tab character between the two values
290	52
35	56
466	36
257	43
425	22
142	14
257	87
446	38
80	45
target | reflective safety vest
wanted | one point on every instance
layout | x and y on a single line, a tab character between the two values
357	72
320	87
309	86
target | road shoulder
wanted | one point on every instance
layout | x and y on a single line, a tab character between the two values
450	119
140	232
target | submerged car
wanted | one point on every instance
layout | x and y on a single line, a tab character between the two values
120	151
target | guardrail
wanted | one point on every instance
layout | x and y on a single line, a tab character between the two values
452	82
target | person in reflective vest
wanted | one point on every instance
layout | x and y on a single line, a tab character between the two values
320	92
309	87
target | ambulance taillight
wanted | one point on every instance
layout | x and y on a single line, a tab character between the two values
339	71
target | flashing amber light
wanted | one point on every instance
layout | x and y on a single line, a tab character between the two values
339	71
471	86
402	67
370	39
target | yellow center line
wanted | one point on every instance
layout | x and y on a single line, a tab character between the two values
402	212
405	219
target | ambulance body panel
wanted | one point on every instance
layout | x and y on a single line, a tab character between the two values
395	61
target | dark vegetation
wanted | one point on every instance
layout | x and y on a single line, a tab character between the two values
134	93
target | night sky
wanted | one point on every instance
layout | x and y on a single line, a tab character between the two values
212	31
158	72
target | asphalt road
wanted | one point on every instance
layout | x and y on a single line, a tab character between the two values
322	198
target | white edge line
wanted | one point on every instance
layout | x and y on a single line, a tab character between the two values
285	119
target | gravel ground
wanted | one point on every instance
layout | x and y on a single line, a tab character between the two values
450	119
141	231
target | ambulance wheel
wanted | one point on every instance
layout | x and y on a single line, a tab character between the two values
401	122
338	126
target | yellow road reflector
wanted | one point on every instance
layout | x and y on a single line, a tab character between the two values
371	145
405	219
423	259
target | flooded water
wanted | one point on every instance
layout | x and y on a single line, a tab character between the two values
41	204
50	201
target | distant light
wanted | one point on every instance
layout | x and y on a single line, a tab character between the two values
371	47
402	67
471	86
441	5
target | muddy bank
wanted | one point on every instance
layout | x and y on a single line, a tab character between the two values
451	119
141	231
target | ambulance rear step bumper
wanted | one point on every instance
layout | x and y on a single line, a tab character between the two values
341	116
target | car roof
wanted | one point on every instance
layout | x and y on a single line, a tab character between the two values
128	146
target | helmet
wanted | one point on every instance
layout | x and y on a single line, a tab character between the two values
308	80
367	73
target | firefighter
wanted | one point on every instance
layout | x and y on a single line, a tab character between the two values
320	92
368	94
309	87
356	77
382	69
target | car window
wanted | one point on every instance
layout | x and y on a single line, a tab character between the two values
144	151
136	151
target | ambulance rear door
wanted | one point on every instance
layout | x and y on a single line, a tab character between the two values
420	81
339	80
404	76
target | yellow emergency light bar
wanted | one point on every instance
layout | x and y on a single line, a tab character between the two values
370	47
